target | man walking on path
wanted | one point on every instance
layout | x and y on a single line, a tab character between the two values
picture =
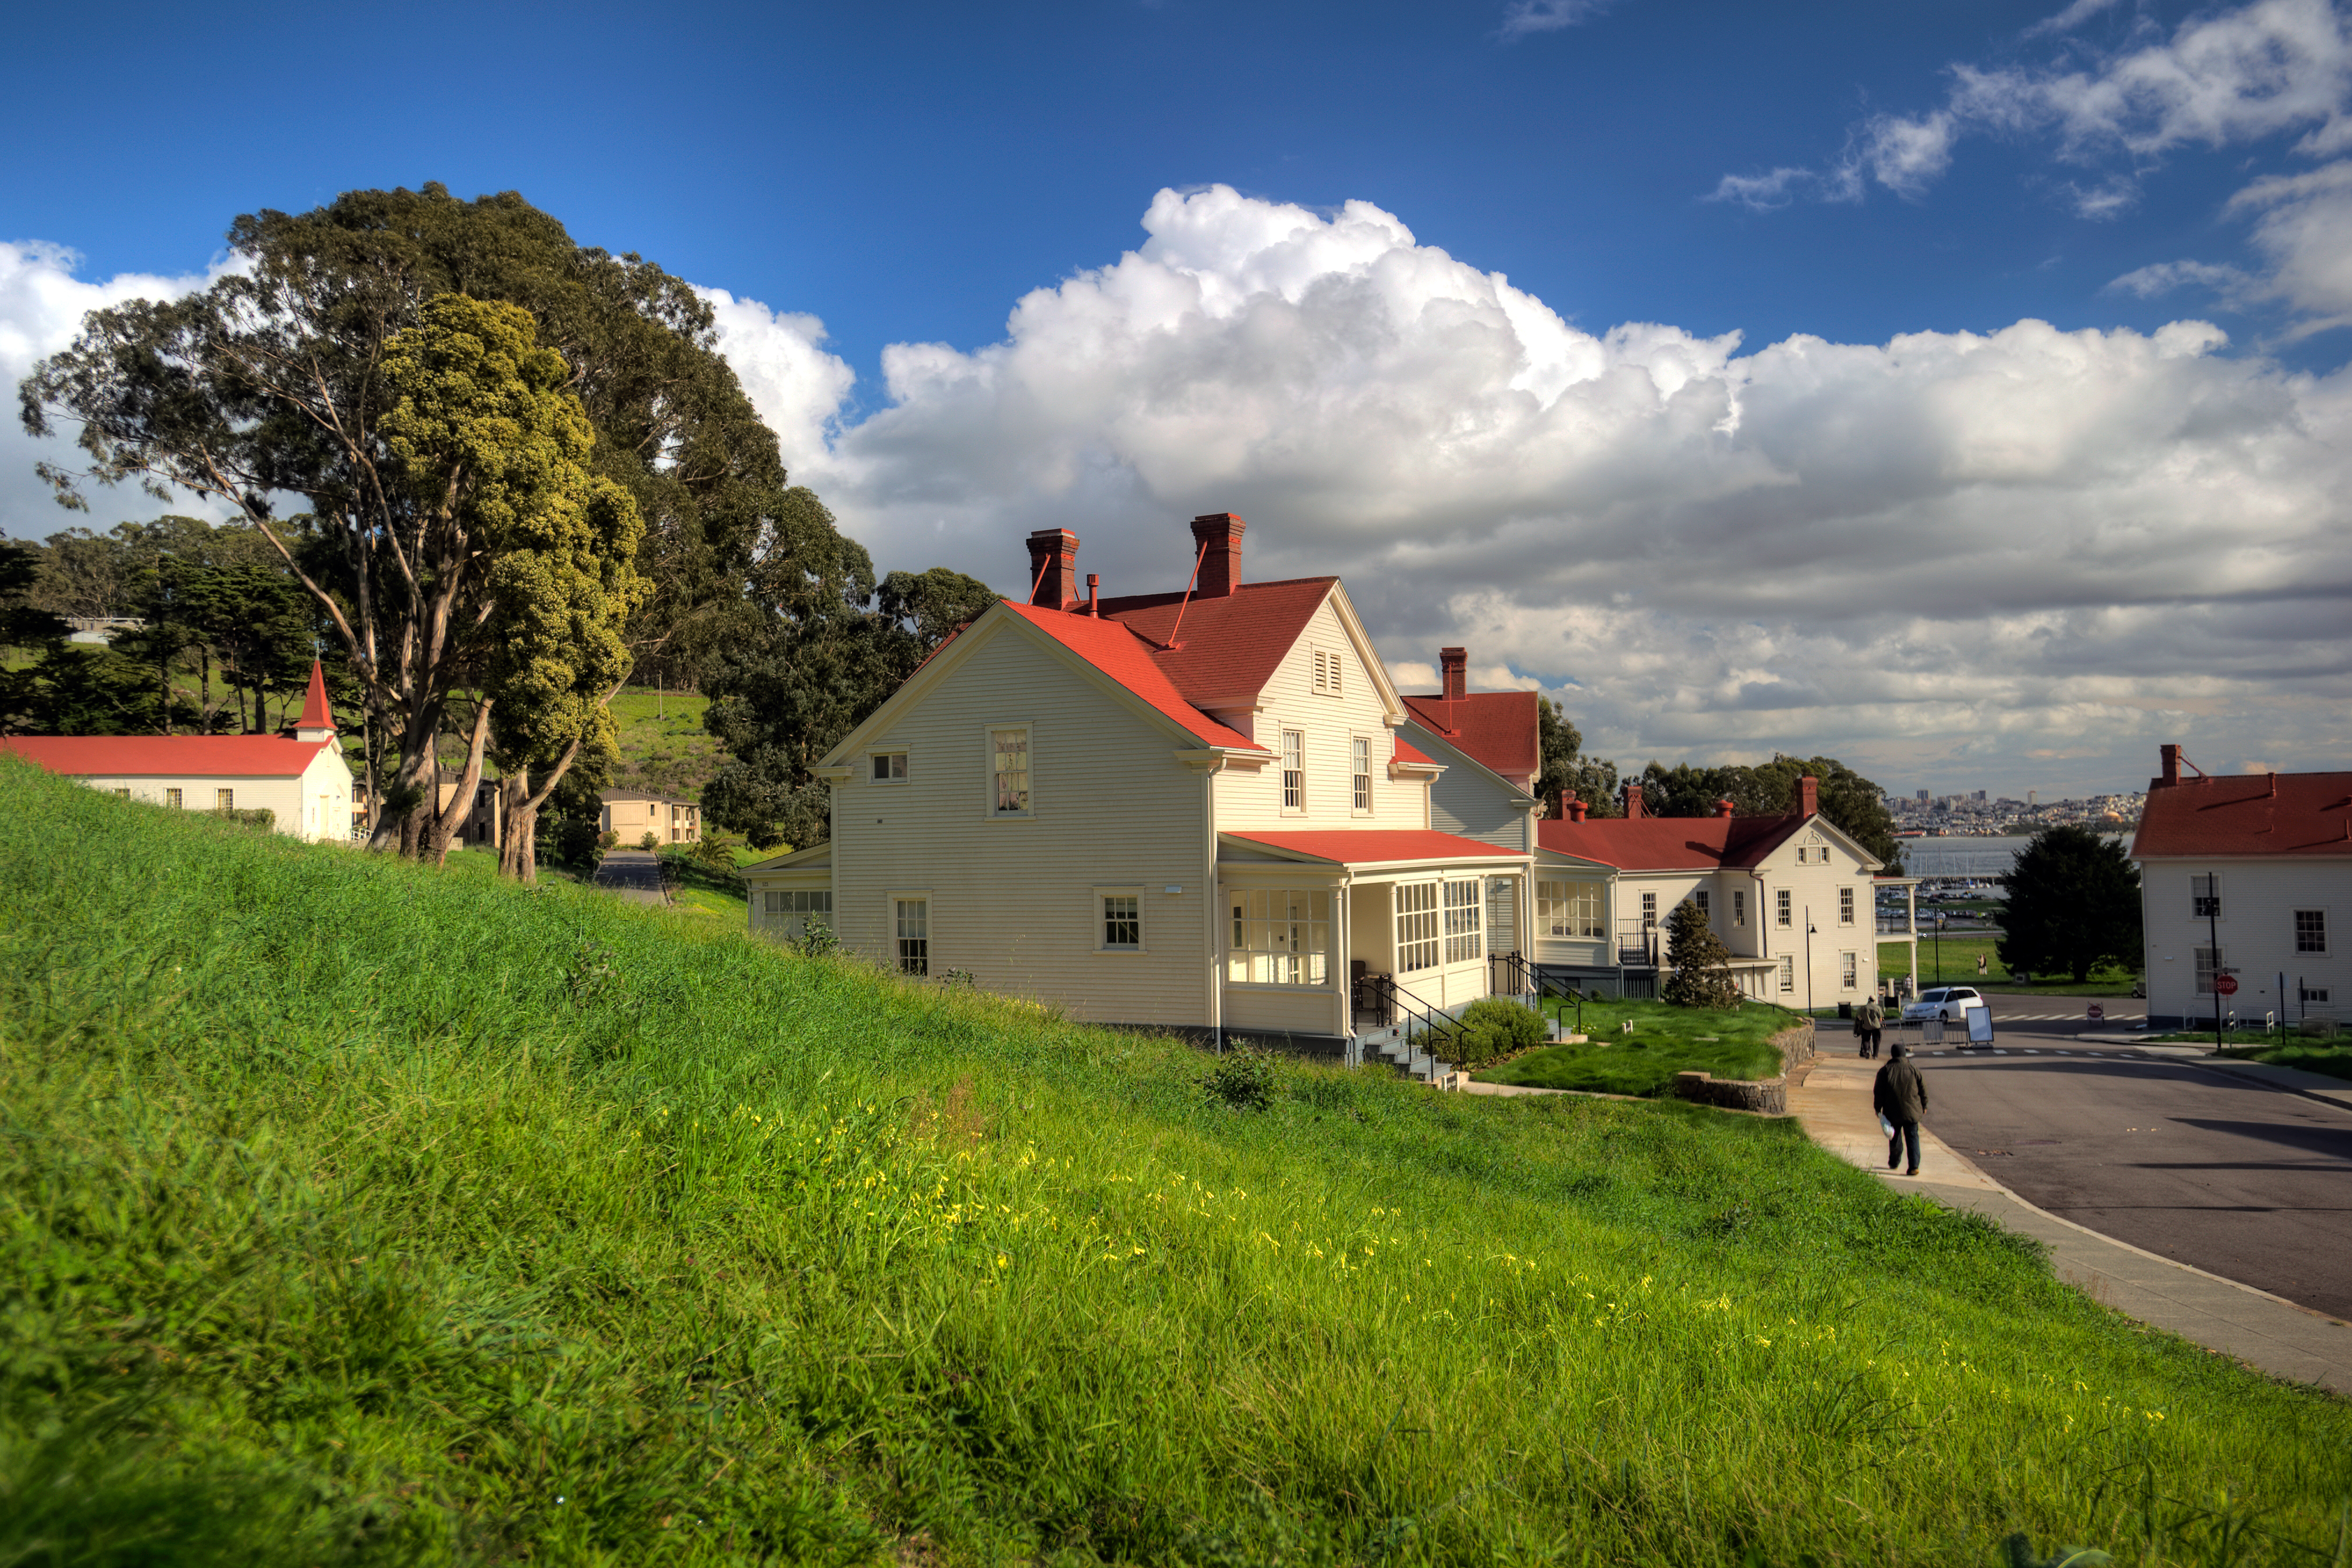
1899	1094
1868	1020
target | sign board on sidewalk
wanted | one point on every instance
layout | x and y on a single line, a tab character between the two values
2225	984
2098	1013
1979	1026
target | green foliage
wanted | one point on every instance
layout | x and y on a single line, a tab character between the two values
2074	904
2017	1551
816	939
520	1224
816	664
1846	798
651	840
1494	1027
1243	1079
260	816
1565	767
1701	964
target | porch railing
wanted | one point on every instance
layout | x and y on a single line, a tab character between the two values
1390	1005
1637	946
1897	924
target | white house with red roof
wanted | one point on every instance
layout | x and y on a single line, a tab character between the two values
1198	810
1793	896
2248	876
301	779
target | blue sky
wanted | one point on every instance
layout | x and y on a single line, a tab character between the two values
909	176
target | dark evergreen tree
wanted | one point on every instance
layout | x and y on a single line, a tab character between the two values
1701	963
2074	904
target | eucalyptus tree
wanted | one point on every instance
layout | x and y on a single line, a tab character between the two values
268	391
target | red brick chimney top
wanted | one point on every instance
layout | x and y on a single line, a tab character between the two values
2171	755
1632	801
1053	568
1809	797
1221	565
1454	664
1724	808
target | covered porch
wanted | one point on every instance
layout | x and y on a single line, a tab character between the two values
1332	935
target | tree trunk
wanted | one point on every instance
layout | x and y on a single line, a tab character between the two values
445	821
520	810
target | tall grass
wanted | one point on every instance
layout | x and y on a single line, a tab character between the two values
354	1214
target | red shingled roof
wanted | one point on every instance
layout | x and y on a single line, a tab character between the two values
221	756
1133	662
2247	813
1498	728
1669	843
1405	753
1371	845
1228	646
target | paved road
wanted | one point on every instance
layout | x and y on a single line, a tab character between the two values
632	873
2240	1179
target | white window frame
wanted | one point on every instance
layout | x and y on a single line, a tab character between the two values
2208	961
1845	906
1739	908
1848	971
1280	937
1028	732
1463	905
223	799
880	770
1650	911
1360	774
2319	923
1568	908
1419	946
1788	974
788	911
1706	904
1294	773
172	797
1101	917
898	939
1784	909
2205	887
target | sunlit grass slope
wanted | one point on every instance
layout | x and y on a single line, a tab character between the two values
351	1212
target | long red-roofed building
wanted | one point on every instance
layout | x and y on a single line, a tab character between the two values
2248	875
300	778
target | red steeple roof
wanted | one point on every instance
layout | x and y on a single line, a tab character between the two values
316	714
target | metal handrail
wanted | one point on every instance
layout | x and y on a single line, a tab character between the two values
1399	1004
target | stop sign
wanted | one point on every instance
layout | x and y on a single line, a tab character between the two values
2225	984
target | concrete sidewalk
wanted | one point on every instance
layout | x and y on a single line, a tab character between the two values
2252	1326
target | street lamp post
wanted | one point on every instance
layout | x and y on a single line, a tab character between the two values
1939	947
1808	960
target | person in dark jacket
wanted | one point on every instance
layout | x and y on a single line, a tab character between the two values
1899	1093
1868	1020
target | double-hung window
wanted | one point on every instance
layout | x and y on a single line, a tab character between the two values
1122	922
1784	912
1699	897
1845	906
172	798
2208	964
2205	896
1282	936
1360	772
224	800
1464	937
2311	930
1009	770
1788	973
1739	906
914	935
1293	770
1649	911
1848	971
1417	926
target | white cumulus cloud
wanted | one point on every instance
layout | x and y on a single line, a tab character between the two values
2027	552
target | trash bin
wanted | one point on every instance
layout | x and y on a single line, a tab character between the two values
1845	1009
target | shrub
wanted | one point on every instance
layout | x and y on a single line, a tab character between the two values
261	816
1494	1027
651	840
608	839
1702	964
816	939
1242	1079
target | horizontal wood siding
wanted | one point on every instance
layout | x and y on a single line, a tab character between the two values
1467	800
294	799
1011	899
1249	799
2256	930
1282	1009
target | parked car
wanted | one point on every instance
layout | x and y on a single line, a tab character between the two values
1949	1003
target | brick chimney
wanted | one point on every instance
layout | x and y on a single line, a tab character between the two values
1054	567
1808	801
1561	805
1576	808
1094	592
1221	567
1454	663
2171	775
1724	808
1633	802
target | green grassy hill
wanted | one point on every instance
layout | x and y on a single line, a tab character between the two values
353	1212
664	748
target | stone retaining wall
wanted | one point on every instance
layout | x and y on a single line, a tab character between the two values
1766	1097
